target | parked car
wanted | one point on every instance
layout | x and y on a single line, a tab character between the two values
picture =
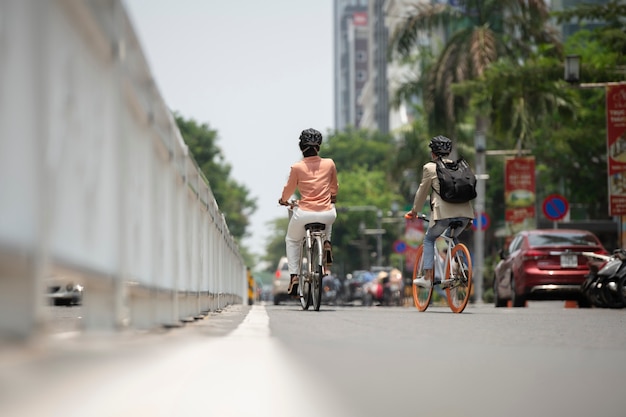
544	264
64	293
281	281
353	285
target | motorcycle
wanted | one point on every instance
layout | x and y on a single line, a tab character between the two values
605	286
386	289
330	290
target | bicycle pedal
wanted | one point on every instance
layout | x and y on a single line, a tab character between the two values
447	283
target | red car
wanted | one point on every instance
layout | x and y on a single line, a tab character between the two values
544	264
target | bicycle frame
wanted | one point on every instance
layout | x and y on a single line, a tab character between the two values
311	265
457	281
310	277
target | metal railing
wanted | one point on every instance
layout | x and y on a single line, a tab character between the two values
96	183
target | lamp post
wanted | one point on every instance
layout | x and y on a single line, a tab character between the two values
378	232
572	69
479	207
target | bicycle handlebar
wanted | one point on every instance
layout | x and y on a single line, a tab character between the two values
421	216
291	203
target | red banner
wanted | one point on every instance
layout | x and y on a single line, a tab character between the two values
616	146
519	193
413	236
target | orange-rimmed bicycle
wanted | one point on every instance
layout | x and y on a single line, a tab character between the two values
456	272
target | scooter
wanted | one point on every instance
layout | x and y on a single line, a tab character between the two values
605	286
385	290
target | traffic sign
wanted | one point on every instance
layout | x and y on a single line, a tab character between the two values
484	222
555	207
399	246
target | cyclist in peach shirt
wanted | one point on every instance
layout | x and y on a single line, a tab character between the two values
316	180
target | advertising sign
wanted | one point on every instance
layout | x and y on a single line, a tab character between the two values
616	147
413	237
519	193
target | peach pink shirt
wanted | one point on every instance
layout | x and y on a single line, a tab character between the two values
316	178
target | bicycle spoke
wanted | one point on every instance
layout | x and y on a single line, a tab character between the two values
460	271
421	296
304	286
316	274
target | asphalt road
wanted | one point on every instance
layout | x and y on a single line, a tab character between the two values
544	360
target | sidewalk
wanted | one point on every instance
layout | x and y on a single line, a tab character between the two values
200	369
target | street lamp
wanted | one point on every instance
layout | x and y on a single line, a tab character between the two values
572	69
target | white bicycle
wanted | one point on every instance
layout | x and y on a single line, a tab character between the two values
311	265
456	273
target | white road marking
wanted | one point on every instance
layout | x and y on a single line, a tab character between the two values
247	373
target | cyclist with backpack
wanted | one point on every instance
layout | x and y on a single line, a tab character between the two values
316	180
446	204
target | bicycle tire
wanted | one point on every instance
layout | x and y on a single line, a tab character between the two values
459	294
317	272
421	295
304	271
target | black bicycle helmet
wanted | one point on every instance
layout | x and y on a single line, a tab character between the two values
440	145
310	137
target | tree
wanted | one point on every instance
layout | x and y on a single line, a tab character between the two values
232	198
478	32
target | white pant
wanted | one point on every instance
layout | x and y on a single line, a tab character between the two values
296	232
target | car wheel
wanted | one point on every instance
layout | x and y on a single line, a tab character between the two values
499	302
583	302
517	300
276	299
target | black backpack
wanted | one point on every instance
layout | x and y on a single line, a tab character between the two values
457	181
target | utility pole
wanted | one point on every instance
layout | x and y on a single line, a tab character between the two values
479	208
378	232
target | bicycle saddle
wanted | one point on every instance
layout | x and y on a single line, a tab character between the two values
456	224
315	227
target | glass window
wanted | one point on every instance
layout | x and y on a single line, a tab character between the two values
562	239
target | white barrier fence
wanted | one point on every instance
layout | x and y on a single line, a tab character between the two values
96	183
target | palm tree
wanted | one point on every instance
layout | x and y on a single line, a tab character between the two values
478	33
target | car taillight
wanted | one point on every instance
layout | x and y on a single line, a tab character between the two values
533	255
277	274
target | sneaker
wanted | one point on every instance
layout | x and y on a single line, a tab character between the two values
328	253
422	282
293	285
426	281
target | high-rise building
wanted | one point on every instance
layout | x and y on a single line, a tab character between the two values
374	99
351	55
569	28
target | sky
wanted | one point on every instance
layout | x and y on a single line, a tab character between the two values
257	72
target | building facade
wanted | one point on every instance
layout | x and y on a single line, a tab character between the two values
351	60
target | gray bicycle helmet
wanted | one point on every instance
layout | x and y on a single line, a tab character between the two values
310	137
440	145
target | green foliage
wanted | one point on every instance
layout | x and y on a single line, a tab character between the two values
233	198
361	187
275	243
359	148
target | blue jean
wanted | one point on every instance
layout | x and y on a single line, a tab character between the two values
434	231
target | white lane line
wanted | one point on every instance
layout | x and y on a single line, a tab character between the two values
247	373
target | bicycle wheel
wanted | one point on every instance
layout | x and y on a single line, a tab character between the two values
304	272
421	296
317	273
460	270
